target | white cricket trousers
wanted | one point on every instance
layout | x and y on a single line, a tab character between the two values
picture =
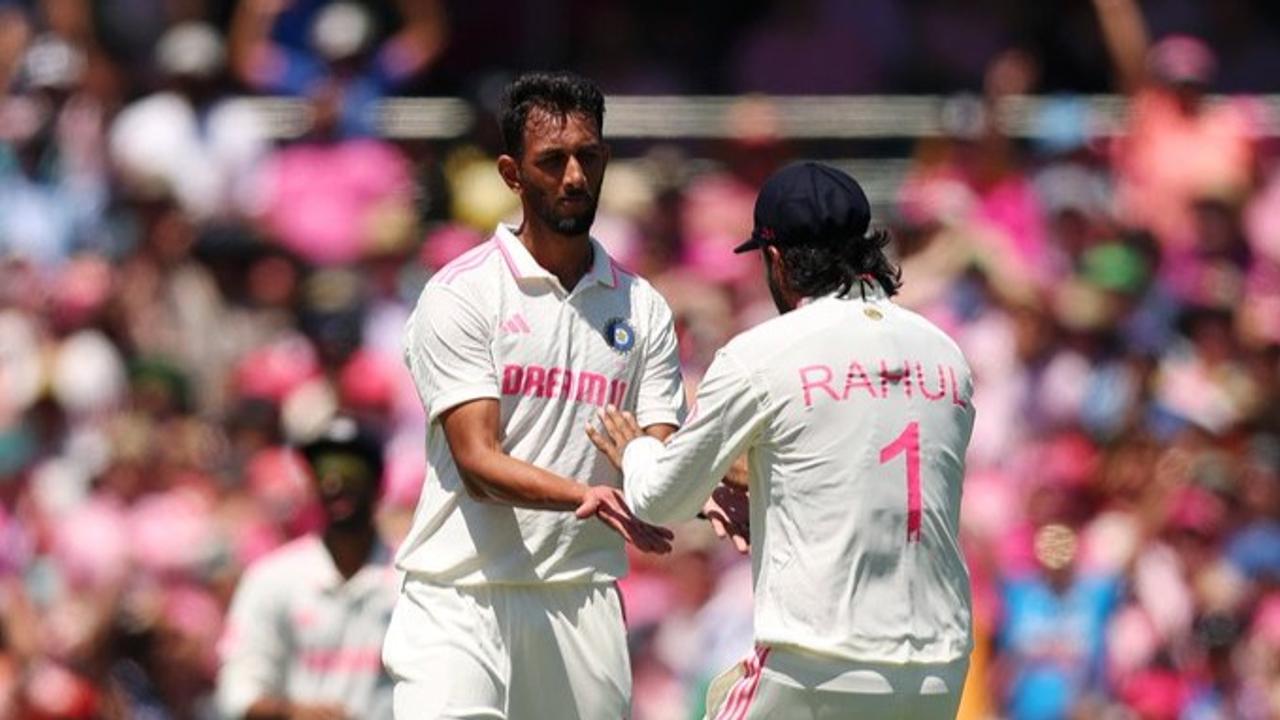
509	652
783	683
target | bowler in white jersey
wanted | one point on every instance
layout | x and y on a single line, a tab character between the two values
509	607
856	416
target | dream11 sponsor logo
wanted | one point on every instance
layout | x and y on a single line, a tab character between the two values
579	386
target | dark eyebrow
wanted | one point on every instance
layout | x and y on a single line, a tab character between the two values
590	147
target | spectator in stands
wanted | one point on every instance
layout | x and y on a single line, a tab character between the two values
1178	147
53	184
190	140
339	58
333	199
1053	632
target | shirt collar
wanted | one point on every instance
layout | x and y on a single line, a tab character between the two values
524	267
330	578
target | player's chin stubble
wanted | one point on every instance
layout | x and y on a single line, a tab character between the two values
569	225
564	224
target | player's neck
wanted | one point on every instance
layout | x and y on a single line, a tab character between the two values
349	547
567	257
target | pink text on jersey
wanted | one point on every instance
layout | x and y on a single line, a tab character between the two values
338	660
910	378
577	385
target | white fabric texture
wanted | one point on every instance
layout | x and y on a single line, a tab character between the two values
509	652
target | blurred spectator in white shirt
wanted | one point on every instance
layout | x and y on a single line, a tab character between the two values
188	140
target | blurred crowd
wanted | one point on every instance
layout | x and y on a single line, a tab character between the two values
184	299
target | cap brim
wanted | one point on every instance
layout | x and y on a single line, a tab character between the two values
751	244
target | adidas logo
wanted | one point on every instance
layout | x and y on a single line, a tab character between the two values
516	325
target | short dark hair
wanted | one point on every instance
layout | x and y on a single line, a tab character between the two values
558	93
813	269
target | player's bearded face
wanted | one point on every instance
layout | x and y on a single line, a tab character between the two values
562	170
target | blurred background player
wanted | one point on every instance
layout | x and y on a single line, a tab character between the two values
307	620
510	608
856	415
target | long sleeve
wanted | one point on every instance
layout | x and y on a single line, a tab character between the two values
670	483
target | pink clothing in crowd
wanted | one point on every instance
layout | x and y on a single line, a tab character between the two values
1167	159
327	202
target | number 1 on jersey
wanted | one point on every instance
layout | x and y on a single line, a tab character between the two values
908	442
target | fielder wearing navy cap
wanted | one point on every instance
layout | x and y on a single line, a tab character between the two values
346	468
808	203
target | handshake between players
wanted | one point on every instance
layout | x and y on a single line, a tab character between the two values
728	508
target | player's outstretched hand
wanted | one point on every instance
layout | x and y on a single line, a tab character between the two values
608	504
729	511
619	428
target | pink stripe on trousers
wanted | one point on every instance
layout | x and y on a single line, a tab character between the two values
738	701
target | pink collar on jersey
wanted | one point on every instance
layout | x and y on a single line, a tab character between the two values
603	270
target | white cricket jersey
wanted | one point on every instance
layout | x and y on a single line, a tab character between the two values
298	631
495	324
856	414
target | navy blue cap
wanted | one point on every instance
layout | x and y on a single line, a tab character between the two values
343	435
809	203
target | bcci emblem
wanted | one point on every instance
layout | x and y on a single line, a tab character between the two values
620	335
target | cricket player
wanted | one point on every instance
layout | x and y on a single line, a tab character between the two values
307	621
856	415
509	607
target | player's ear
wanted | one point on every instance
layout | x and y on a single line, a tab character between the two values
509	169
773	259
776	269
